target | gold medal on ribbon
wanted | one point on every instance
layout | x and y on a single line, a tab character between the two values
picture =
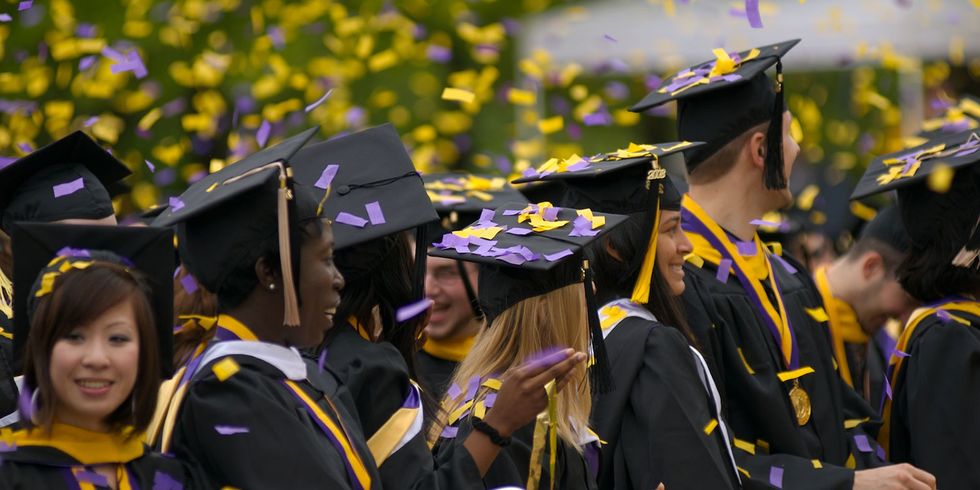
801	403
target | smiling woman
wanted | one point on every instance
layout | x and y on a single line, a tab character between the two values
93	364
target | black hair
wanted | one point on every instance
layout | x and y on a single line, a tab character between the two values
614	279
381	273
890	256
241	280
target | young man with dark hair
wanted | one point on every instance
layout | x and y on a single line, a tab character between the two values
756	315
861	292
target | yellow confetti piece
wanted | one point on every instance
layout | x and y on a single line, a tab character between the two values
521	97
47	284
551	125
863	211
940	178
806	198
458	95
149	119
816	464
708	429
852	423
225	368
745	445
818	314
382	61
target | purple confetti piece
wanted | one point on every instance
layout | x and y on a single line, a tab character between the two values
230	430
262	135
374	212
276	36
486	215
597	119
86	476
489	400
319	101
165	176
558	255
73	252
85	30
943	315
762	222
188	283
4	161
25	5
746	249
880	452
413	310
861	441
327	176
610	38
550	214
546	358
449	432
320	361
454	391
90	121
582	227
724	266
512	259
439	54
68	188
175	204
349	219
149	165
888	387
24	404
512	212
900	353
776	477
163	481
25	147
786	265
752	12
5	18
516	230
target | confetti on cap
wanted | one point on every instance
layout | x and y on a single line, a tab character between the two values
413	310
175	204
230	430
776	477
375	215
458	95
350	219
68	188
225	368
327	176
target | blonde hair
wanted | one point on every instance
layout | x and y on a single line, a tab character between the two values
556	319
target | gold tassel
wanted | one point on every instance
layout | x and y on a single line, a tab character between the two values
291	307
6	296
641	290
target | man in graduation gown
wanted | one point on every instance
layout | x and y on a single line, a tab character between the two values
64	182
756	315
930	419
861	292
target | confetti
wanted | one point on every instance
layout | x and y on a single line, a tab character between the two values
940	178
350	219
225	368
546	358
5	18
25	5
724	269
776	477
68	188
230	430
521	97
610	38
862	444
129	62
762	222
752	12
262	135
189	284
91	477
458	95
321	360
374	213
175	204
327	176
558	255
413	310
516	230
150	166
319	101
551	125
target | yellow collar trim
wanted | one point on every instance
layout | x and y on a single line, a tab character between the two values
236	327
844	326
86	446
703	249
450	350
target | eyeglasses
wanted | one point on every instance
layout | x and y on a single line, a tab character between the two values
444	276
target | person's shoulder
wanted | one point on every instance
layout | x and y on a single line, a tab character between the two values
347	347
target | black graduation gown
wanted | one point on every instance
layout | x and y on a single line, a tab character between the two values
36	467
434	373
283	448
511	467
770	444
934	423
378	380
653	421
868	364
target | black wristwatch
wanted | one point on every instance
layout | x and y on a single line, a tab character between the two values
492	433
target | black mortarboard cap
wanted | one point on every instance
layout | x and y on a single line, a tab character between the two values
887	227
625	181
526	250
148	250
719	100
67	179
370	189
937	185
226	215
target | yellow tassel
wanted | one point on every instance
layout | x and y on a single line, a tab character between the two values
291	307
641	290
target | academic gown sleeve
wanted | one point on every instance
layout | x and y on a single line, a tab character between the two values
934	422
282	448
744	360
654	421
377	378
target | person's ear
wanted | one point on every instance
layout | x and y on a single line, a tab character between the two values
756	146
872	266
611	249
267	275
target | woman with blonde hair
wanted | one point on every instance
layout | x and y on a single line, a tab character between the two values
535	291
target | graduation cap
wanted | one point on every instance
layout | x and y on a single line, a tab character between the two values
67	179
959	117
370	189
459	199
887	227
625	181
526	250
936	184
226	216
147	250
720	99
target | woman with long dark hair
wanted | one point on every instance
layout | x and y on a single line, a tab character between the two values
661	422
94	339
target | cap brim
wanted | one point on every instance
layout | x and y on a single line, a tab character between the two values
606	163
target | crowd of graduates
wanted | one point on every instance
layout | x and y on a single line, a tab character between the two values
321	315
